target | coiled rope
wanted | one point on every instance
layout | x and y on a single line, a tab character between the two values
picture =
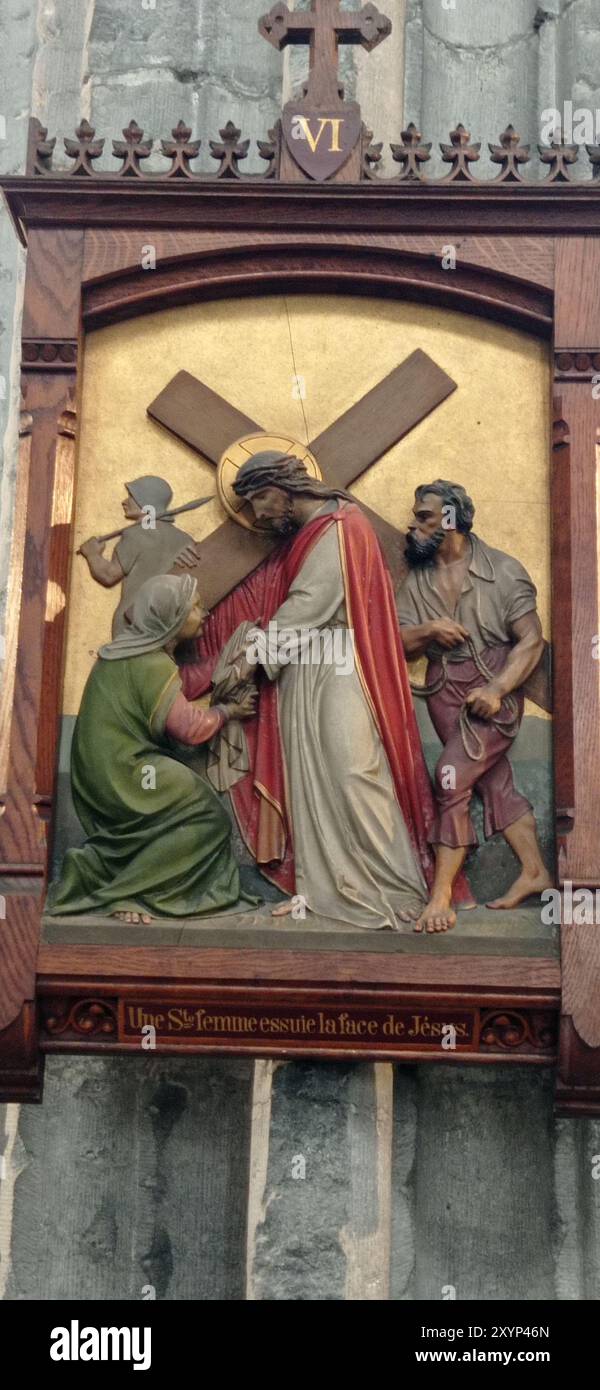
472	742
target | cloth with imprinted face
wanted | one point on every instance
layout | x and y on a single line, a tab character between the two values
228	760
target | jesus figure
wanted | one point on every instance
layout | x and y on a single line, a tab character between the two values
338	803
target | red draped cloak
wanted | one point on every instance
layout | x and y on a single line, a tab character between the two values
259	799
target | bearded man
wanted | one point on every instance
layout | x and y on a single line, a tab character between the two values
337	803
471	610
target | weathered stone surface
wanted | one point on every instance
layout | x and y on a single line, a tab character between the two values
134	1179
577	1177
472	63
10	1164
380	83
17	41
206	64
484	1199
403	1233
61	74
578	62
324	1233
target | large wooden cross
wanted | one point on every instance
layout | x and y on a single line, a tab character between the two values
324	27
208	423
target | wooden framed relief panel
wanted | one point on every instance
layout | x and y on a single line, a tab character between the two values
247	379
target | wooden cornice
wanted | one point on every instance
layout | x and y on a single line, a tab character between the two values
544	209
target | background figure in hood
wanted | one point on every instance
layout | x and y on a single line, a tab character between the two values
145	549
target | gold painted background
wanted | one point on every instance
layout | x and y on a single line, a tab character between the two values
491	434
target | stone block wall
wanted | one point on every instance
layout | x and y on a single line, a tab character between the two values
211	1179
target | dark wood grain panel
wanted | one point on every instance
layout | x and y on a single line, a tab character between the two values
577	317
575	646
200	416
18	946
21	1062
562	614
107	252
577	326
13	604
22	832
52	302
51	313
345	270
382	417
581	985
578	1080
448	210
444	973
55	617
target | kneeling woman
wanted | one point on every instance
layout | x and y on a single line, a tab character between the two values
159	839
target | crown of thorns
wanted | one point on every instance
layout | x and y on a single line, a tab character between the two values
273	469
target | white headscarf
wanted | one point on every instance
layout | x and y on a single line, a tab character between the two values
160	609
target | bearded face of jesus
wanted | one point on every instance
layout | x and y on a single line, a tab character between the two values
274	511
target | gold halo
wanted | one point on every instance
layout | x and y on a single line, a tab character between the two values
242	450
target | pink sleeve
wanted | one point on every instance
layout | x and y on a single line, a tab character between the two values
190	725
196	677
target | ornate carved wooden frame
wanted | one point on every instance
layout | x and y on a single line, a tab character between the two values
529	255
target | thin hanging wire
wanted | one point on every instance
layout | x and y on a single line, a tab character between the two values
296	378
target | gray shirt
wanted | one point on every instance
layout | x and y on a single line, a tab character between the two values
142	554
496	592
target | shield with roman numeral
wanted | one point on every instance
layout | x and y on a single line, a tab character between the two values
321	141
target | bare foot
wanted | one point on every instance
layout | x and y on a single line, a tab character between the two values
437	916
524	887
407	914
283	909
132	917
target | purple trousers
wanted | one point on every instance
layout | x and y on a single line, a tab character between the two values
456	775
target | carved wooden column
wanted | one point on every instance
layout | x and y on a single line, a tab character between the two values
51	323
577	667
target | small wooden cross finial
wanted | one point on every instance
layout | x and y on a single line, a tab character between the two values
324	27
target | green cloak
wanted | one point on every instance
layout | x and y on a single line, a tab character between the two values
159	837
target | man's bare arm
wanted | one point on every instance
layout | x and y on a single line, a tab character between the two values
418	637
107	572
525	654
529	645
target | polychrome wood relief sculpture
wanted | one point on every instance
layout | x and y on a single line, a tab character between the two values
232	820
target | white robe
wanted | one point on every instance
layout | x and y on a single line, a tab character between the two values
354	859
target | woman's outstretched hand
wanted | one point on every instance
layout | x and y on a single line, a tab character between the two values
244	706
